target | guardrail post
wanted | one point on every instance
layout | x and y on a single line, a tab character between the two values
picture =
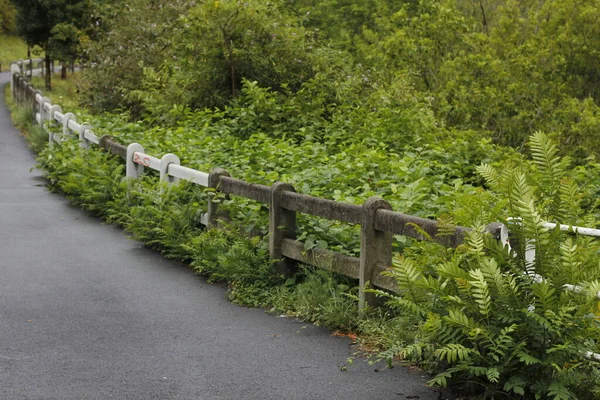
214	180
165	161
83	142
36	106
282	224
25	93
30	95
24	86
52	120
43	115
375	248
18	88
133	170
66	118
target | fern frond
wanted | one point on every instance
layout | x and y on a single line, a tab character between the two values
545	295
550	165
445	225
440	379
527	358
475	242
493	375
568	208
452	270
490	174
570	264
453	353
458	319
481	292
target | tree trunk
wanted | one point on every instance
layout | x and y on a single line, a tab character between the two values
63	70
48	80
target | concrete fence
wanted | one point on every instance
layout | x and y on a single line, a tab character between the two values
378	222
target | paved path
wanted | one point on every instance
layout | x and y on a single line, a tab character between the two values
86	313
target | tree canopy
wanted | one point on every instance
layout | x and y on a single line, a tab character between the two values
56	26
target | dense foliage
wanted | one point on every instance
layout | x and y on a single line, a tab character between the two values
503	69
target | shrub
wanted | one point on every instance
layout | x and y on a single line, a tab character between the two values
495	321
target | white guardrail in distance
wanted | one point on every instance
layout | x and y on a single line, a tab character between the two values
168	165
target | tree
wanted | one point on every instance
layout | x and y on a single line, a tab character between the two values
54	25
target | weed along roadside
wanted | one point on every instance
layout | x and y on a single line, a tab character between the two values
459	300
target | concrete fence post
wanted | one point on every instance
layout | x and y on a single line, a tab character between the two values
18	88
43	115
36	106
25	93
53	122
29	95
14	71
375	248
282	225
132	169
83	142
66	118
214	180
165	161
20	84
24	87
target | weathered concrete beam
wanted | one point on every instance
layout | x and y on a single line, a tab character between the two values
321	207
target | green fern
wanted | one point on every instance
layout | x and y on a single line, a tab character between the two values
453	353
481	292
550	166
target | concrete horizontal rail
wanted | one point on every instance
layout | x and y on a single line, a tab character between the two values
89	135
146	160
417	228
254	191
189	174
326	259
333	261
113	147
328	209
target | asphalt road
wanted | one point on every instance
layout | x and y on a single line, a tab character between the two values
86	313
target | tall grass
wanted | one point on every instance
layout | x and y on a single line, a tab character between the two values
11	48
64	91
